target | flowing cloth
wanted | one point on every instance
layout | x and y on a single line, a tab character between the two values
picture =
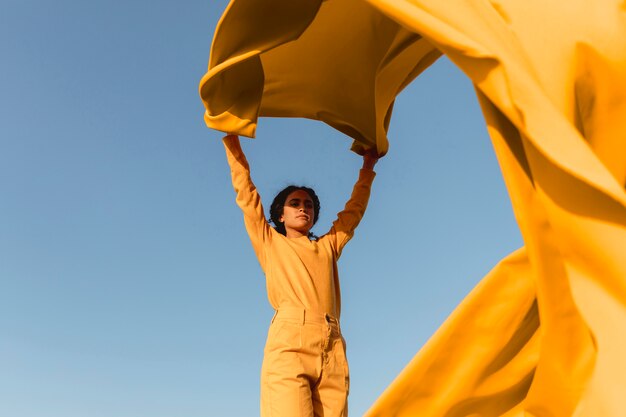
544	334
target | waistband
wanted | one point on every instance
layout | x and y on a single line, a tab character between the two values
304	316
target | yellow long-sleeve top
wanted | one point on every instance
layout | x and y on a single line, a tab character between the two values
299	272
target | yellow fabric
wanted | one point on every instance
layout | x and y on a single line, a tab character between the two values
300	273
346	75
545	333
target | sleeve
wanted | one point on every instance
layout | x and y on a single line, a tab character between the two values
248	198
348	219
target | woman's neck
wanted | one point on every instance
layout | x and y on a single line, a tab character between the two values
295	234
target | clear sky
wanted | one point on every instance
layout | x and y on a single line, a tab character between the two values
128	286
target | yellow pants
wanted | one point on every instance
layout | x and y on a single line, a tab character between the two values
305	371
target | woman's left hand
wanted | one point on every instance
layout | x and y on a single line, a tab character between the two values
369	159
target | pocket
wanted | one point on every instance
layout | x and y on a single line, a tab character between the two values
284	335
346	377
270	335
346	368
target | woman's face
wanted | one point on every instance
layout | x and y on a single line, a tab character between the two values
298	214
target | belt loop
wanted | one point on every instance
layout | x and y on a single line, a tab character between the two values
274	316
303	316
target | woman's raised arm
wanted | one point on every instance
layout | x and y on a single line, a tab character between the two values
248	198
348	219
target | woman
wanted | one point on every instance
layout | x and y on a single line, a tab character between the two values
305	371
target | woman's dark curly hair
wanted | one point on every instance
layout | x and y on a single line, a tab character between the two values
276	209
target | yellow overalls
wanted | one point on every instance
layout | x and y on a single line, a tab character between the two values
305	371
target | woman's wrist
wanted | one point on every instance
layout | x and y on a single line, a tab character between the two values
369	159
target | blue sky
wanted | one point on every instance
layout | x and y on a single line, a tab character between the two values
128	286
